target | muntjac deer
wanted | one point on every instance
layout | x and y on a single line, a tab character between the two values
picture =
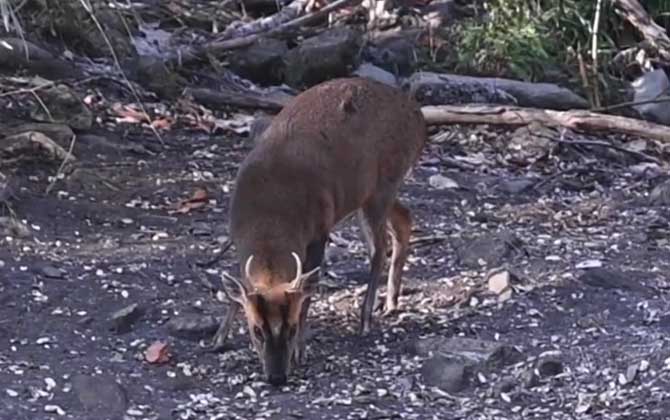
340	147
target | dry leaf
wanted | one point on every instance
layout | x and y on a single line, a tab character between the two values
198	199
157	353
128	114
162	123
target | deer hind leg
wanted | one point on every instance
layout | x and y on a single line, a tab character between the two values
314	258
375	213
400	227
365	232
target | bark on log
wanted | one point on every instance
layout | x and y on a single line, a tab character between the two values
579	120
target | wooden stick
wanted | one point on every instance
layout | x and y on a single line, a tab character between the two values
578	120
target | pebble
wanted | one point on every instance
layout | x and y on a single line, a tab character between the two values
42	340
11	393
50	383
441	182
52	272
52	408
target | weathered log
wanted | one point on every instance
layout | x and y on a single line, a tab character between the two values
450	89
654	34
185	55
17	54
264	24
579	120
217	99
29	142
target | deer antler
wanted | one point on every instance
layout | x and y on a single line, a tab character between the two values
298	268
247	266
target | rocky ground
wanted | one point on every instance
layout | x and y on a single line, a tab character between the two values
536	287
534	290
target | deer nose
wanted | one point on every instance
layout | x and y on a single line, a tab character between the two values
277	379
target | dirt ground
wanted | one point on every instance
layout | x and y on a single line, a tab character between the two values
104	239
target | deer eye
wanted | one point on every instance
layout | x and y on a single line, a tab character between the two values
258	333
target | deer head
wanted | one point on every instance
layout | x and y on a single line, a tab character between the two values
273	315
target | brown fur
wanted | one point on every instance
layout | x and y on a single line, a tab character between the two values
340	147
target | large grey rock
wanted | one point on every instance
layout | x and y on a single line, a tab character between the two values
449	374
193	326
59	104
649	86
370	71
448	89
122	321
101	396
394	53
331	54
609	278
490	250
152	73
261	62
453	362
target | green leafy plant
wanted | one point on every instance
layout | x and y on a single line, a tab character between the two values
658	8
527	38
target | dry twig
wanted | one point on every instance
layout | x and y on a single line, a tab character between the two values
63	163
117	63
594	53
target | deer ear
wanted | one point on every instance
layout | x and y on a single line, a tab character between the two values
234	289
306	283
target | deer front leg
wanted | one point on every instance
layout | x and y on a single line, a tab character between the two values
219	340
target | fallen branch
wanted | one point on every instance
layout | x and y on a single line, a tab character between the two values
576	170
192	53
267	23
654	34
631	104
218	99
577	120
595	143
